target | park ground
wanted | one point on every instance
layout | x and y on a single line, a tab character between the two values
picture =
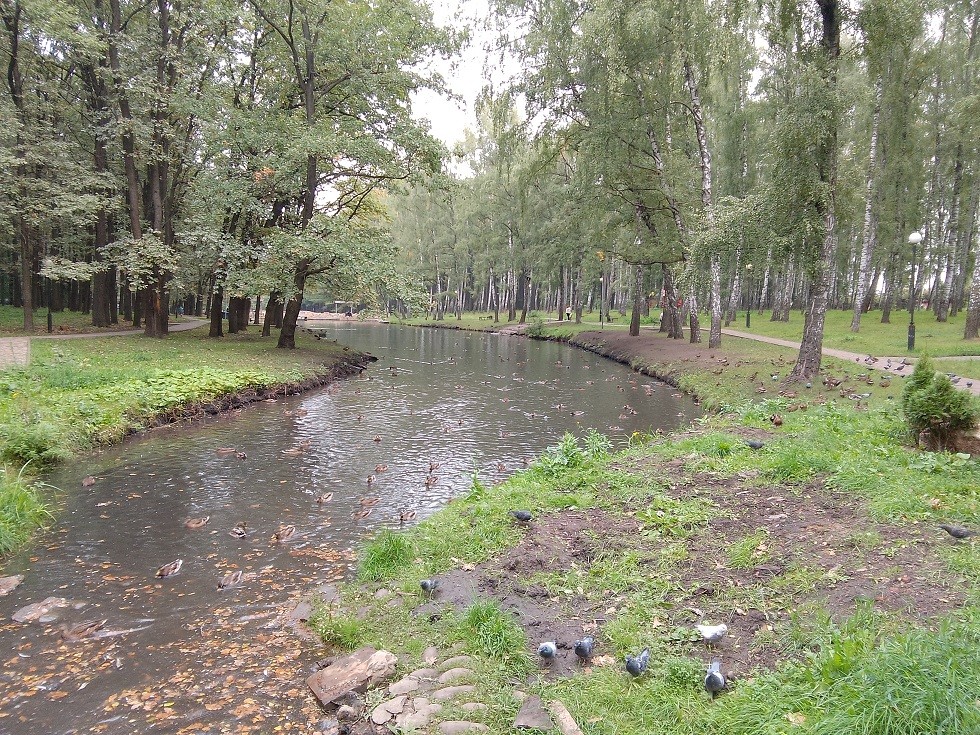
848	609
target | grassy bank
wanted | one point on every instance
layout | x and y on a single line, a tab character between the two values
81	393
849	611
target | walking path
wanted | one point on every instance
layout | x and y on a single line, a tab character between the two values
16	351
895	365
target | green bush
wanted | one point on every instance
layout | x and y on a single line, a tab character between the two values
931	403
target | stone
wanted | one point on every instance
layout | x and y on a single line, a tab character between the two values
474	707
382	594
9	584
566	723
364	668
421	674
447	677
430	655
346	713
453	692
417	714
37	610
387	710
329	726
533	715
460	727
451	663
404	686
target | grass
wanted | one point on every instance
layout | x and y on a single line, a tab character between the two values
386	555
488	631
22	509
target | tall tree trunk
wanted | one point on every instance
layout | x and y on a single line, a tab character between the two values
637	300
672	315
870	225
272	308
811	348
215	315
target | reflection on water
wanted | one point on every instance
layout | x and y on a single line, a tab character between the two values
438	407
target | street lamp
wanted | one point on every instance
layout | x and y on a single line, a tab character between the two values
914	239
748	295
48	262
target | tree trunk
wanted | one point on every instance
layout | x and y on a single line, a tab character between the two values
637	300
811	347
672	315
272	308
870	225
217	300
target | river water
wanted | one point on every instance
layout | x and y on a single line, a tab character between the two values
388	448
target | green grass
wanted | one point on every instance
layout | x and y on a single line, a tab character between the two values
12	322
22	510
875	338
488	631
387	554
749	551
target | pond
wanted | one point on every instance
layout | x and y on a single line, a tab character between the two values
386	449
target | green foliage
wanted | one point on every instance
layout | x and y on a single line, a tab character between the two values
21	509
489	631
749	551
567	454
385	556
40	443
931	403
343	631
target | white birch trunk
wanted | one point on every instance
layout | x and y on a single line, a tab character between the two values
868	235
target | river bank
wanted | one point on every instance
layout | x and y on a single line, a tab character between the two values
80	394
796	516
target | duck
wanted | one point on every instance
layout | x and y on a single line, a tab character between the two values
293	452
433	466
193	523
361	514
377	438
239	531
431	480
241	455
325	498
283	534
230	580
405	516
381	468
83	629
370	480
776	419
368	502
169	570
88	481
501	467
305	444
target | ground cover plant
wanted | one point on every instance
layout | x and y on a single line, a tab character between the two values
849	610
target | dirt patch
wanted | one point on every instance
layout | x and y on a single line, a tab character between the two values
800	547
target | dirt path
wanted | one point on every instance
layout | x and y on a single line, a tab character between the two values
16	351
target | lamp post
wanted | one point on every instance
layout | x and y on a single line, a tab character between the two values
748	295
602	291
48	262
914	239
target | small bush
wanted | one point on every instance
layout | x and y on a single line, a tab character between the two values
384	556
343	631
489	631
931	403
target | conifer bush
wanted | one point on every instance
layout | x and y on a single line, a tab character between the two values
931	403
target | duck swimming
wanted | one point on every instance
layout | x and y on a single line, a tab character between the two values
168	570
230	580
239	531
283	534
193	523
326	498
83	629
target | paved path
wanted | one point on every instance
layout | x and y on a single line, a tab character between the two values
896	365
16	351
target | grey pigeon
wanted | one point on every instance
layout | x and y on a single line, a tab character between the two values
583	648
636	665
754	444
957	531
548	650
521	515
712	633
715	681
429	585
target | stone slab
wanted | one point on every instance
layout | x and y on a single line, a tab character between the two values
364	668
533	716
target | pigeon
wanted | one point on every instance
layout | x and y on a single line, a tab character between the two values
583	648
957	531
548	650
712	633
754	444
636	665
429	586
714	681
521	515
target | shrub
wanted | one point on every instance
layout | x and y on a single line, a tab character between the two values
931	403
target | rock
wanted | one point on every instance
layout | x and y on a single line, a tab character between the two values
346	713
421	674
474	707
37	610
519	695
382	594
329	726
417	714
358	671
533	715
430	655
451	663
566	723
452	692
386	710
404	686
447	677
9	584
459	727
297	617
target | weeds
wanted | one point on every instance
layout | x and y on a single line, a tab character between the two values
385	556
